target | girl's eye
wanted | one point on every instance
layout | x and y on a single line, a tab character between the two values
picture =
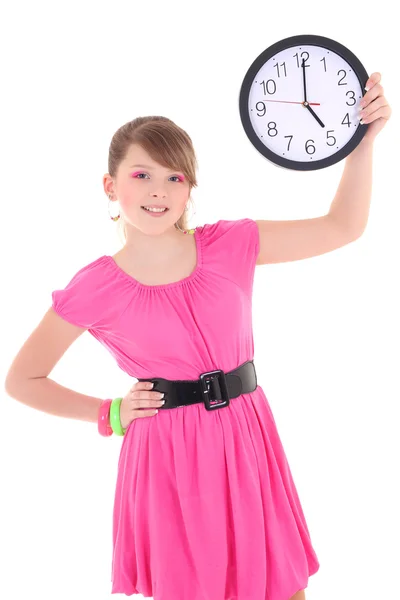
176	176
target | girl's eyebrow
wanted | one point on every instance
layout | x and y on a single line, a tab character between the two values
145	167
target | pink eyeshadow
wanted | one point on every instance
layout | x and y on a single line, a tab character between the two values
181	177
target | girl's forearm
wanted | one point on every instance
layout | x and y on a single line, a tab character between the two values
44	394
351	204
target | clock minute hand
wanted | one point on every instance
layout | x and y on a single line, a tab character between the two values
304	80
305	103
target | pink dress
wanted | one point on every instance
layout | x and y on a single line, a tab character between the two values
205	504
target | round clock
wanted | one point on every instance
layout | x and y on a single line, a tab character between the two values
299	102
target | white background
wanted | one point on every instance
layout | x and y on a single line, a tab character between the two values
326	329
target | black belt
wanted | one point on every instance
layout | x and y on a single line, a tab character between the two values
214	388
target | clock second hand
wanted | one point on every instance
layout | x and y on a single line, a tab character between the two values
305	104
289	102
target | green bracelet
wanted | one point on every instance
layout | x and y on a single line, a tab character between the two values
115	420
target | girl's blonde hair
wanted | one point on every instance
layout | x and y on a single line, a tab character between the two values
165	142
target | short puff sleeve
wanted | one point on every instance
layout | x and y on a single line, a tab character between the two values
83	301
237	244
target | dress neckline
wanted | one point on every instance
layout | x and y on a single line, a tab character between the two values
192	276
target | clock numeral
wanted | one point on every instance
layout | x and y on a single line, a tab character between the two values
309	146
353	98
263	108
331	137
272	129
344	122
305	60
342	71
291	137
324	61
282	65
266	86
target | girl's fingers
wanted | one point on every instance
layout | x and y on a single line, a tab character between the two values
373	93
373	107
383	112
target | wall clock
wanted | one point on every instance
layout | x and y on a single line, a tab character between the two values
299	102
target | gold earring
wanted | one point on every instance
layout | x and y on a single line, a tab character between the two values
111	217
187	231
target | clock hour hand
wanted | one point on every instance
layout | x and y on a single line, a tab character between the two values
305	103
313	114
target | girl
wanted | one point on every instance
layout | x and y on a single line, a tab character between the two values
205	504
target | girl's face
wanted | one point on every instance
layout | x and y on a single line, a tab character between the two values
143	182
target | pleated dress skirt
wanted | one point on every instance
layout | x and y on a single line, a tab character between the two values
206	507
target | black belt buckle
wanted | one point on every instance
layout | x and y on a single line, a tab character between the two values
205	381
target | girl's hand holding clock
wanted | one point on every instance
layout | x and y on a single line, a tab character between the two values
375	108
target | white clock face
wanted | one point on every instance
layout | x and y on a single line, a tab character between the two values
276	97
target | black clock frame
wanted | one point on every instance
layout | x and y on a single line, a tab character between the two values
298	40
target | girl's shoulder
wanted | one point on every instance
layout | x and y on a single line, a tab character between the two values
224	231
84	299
